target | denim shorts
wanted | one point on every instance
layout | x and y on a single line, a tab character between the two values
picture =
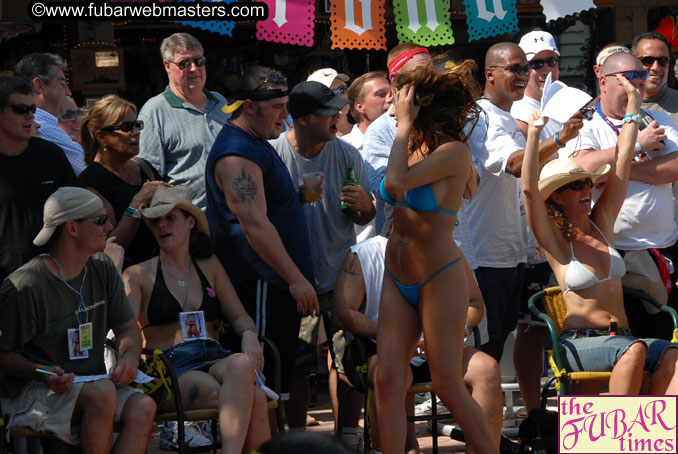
198	354
601	353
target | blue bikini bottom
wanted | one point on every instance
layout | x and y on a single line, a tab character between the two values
411	292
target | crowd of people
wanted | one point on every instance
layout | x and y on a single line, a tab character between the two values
412	210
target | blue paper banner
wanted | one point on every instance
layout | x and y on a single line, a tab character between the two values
223	27
487	18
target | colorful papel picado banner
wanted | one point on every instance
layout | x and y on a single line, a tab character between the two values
358	24
223	27
482	22
425	22
289	22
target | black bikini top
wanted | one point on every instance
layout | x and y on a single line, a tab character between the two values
164	308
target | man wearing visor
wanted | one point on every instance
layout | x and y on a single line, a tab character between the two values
256	219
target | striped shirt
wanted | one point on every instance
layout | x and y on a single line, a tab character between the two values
177	138
50	131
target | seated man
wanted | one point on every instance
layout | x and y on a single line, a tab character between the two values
359	286
73	291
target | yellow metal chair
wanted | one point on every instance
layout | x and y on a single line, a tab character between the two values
553	314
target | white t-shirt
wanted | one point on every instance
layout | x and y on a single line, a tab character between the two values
362	232
355	138
522	110
646	219
331	231
494	214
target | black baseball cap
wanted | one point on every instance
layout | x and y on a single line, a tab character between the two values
309	97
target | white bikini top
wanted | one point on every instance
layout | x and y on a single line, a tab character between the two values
578	277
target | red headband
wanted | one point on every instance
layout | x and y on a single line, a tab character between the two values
403	58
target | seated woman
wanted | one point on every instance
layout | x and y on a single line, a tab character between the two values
425	286
578	243
110	137
187	279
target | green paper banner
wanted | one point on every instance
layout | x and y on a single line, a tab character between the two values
425	22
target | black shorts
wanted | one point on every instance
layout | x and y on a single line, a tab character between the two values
277	319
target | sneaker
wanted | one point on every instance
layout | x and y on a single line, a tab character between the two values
425	408
353	441
193	436
420	398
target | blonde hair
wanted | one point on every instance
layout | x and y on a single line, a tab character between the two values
107	111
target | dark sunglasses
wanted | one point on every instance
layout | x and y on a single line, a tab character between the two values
71	114
98	220
587	112
536	64
272	79
340	91
22	109
632	74
649	61
577	185
125	126
516	69
186	63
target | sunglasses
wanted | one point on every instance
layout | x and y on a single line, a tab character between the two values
632	74
272	79
649	61
186	63
125	126
98	220
340	91
70	114
587	112
577	185
22	109
536	64
516	69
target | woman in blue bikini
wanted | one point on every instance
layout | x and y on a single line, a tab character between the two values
578	243
426	287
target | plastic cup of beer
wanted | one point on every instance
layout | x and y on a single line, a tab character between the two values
313	187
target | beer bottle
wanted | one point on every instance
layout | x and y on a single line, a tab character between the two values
349	181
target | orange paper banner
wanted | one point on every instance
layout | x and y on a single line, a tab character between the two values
358	24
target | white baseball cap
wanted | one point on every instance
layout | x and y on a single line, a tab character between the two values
66	204
537	41
326	76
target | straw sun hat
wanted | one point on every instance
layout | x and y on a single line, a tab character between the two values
165	199
560	172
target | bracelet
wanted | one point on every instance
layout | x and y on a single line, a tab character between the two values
44	376
467	330
132	212
628	118
560	145
251	328
639	148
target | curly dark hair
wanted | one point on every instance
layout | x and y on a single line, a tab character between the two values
447	97
557	215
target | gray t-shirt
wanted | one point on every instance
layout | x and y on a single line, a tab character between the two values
666	101
38	308
331	230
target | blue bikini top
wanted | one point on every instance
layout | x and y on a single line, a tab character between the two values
421	198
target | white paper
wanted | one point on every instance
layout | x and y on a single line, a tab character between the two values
554	9
141	378
260	379
560	102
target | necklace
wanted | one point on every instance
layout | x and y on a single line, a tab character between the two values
179	283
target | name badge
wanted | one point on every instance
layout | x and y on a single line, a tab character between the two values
85	336
193	325
74	349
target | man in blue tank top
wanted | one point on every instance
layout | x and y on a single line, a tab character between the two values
257	223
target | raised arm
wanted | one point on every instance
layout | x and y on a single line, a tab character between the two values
249	205
608	205
544	230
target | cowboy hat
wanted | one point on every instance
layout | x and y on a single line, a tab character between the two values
166	198
559	172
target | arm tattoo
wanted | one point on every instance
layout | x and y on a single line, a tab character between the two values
351	267
244	186
193	394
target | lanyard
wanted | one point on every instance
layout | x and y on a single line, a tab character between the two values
81	293
600	111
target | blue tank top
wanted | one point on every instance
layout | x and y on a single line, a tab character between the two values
284	211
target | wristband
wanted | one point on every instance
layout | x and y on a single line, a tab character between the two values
628	118
560	145
251	328
639	148
467	330
44	376
132	212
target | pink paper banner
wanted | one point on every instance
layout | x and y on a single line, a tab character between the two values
289	22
